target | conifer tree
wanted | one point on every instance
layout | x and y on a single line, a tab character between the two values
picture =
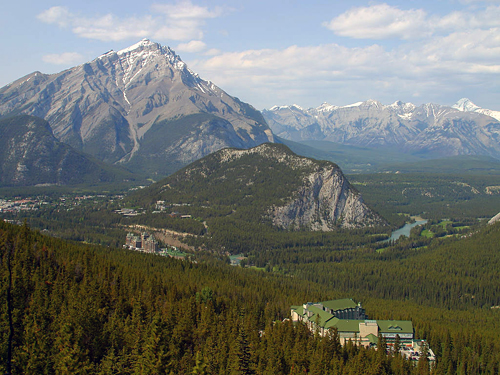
200	365
240	356
70	358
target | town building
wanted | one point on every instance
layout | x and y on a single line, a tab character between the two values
144	242
133	241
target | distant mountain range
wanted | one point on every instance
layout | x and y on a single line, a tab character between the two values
141	107
430	130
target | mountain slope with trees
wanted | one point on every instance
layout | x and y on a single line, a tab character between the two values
31	155
85	310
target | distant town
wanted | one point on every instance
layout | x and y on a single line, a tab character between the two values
18	204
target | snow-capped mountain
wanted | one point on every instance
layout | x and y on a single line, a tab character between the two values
429	129
466	105
135	106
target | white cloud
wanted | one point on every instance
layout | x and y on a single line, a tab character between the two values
383	21
310	75
180	22
66	58
192	46
213	52
380	21
111	28
56	15
478	1
186	10
437	54
459	20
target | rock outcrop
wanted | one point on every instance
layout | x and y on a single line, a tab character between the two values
325	201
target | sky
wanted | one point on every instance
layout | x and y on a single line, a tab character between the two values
278	52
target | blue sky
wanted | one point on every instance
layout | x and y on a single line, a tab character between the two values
278	52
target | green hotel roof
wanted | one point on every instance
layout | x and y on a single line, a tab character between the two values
395	326
340	304
344	325
323	316
385	326
372	339
327	320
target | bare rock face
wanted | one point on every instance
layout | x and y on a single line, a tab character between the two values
325	202
141	102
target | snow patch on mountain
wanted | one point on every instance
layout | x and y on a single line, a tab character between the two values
357	104
138	45
325	107
466	105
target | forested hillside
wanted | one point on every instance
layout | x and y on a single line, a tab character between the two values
69	308
74	309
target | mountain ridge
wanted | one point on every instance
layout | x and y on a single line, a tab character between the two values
429	130
31	155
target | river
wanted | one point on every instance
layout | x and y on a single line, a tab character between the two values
405	231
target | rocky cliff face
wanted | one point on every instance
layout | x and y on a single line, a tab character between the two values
429	129
113	105
324	202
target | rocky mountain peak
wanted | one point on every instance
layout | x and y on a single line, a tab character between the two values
141	45
326	107
465	105
370	103
111	106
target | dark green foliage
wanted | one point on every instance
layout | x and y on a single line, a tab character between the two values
457	165
233	198
84	310
253	182
456	273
